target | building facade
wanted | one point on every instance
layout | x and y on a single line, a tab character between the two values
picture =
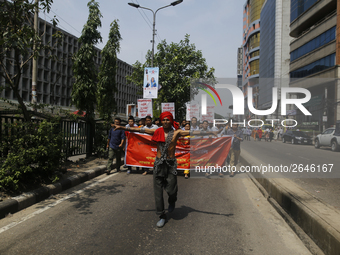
314	59
275	59
55	77
239	67
251	49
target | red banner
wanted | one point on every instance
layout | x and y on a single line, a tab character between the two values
141	151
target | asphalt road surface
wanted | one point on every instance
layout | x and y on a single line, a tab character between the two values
323	185
115	215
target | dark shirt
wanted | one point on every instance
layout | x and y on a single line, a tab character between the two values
236	142
116	138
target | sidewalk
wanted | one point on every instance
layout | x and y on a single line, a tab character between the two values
79	170
319	220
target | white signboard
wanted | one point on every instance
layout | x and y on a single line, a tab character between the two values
193	110
210	114
169	107
144	108
150	84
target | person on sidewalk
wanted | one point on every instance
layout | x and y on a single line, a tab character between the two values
235	149
254	134
275	134
259	132
115	143
165	165
248	133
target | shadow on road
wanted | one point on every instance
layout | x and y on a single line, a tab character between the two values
83	202
182	212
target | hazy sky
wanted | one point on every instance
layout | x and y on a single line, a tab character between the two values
215	27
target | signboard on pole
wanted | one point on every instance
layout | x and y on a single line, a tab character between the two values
210	114
192	111
150	84
144	108
169	107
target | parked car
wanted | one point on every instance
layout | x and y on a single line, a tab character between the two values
296	137
327	138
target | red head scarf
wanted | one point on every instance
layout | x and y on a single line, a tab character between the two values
158	136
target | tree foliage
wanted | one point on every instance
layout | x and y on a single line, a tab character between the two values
107	86
178	63
84	67
17	37
30	154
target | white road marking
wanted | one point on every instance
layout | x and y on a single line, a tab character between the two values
13	224
304	158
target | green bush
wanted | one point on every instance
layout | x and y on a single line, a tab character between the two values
100	138
30	154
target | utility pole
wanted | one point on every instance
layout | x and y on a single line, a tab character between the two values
34	64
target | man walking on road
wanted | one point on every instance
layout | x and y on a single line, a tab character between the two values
165	165
114	145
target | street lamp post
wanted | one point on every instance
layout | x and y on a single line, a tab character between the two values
154	22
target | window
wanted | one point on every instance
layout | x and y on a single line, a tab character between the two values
298	7
317	66
317	42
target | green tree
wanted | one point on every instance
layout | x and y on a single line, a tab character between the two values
17	37
178	63
107	75
84	67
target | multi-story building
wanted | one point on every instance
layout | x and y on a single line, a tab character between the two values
315	60
55	77
274	61
239	67
251	48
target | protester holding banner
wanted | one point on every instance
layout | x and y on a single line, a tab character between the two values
205	127
157	122
115	143
194	125
148	125
183	123
235	150
165	165
131	123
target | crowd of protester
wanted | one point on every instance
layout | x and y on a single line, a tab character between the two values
117	138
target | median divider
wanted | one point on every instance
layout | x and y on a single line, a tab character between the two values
319	220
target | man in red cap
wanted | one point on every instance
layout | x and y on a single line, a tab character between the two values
165	166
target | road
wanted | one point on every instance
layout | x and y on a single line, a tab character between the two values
115	215
323	185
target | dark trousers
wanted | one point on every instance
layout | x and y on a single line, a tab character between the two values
164	179
114	153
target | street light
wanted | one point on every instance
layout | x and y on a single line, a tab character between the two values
154	22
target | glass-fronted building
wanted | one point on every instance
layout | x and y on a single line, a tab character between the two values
274	61
251	48
313	59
